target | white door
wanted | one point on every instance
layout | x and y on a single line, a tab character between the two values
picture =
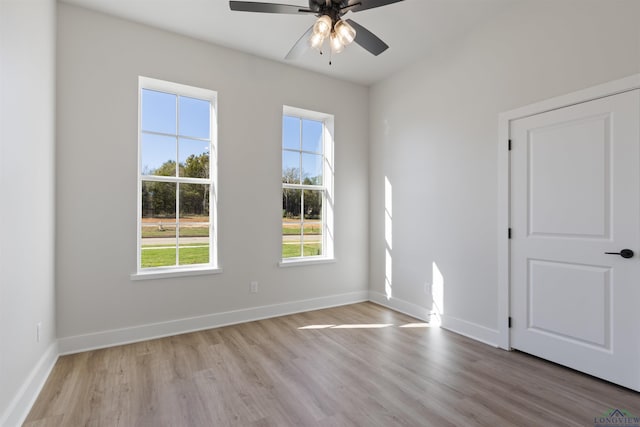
575	194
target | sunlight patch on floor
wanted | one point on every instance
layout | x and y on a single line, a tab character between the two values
317	327
364	326
416	325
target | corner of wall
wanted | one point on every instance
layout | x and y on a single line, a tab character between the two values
27	34
19	407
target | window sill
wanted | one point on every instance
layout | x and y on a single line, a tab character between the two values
174	272
297	262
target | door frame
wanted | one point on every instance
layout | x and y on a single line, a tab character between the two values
504	180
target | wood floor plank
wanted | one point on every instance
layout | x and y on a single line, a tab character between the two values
355	365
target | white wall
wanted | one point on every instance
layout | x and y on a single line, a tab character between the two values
434	134
99	61
27	56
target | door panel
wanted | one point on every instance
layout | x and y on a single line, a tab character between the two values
570	204
575	194
556	287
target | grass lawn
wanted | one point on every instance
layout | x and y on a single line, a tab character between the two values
171	232
165	245
293	250
308	230
167	256
194	253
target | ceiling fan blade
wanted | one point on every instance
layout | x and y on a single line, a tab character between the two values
367	39
301	46
368	4
252	6
316	4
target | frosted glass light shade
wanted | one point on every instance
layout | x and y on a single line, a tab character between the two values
322	27
345	31
316	40
336	44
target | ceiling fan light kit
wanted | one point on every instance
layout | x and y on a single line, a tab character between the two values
336	44
345	32
316	40
329	24
340	34
322	27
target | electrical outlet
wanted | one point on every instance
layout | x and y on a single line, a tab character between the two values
38	329
254	287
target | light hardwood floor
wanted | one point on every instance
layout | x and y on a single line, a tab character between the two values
358	365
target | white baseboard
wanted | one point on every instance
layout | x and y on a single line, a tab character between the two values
110	338
26	396
402	306
471	330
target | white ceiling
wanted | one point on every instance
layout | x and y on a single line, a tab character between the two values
412	28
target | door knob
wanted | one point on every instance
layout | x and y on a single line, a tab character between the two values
625	253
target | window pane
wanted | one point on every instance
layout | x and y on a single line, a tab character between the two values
194	202
159	201
194	158
291	242
312	248
158	155
312	236
313	206
158	246
312	136
158	257
194	232
291	132
157	233
291	224
311	169
291	203
158	111
194	243
197	254
291	167
194	117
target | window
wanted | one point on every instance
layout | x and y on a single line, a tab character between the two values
307	185
177	178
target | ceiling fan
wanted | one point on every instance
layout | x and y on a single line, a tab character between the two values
329	25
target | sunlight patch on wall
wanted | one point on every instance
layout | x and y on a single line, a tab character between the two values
387	275
388	236
437	295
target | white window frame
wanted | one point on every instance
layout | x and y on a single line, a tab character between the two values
180	270
328	200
